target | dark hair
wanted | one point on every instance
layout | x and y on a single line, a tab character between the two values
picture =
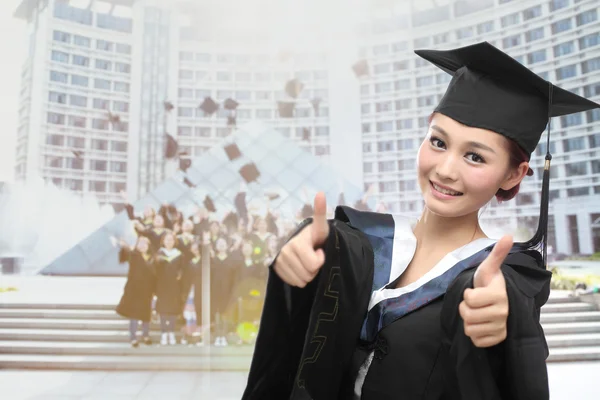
168	232
517	156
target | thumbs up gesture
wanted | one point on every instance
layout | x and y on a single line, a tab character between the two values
484	309
300	260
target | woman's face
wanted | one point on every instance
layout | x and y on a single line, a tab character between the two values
148	212
214	228
158	222
169	241
142	245
221	245
247	249
261	225
472	162
188	226
195	249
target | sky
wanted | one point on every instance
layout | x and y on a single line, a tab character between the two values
12	48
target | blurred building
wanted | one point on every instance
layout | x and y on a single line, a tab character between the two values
126	57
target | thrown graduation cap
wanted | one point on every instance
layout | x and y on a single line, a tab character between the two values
306	134
77	153
231	120
361	68
293	88
184	161
209	204
286	109
240	204
272	195
315	104
491	90
113	118
230	104
171	147
209	106
188	183
168	106
232	151
249	172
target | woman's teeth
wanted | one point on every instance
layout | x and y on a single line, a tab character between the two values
446	191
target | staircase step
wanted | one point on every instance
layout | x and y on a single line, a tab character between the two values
118	363
568	307
62	335
573	327
586	353
120	349
67	324
57	313
64	306
573	340
562	298
584	316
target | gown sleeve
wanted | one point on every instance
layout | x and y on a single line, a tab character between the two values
516	368
307	335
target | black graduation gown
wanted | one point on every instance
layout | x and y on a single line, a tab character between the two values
259	246
195	268
155	236
184	245
136	302
308	344
168	289
222	279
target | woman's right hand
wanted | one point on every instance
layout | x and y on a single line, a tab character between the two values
300	259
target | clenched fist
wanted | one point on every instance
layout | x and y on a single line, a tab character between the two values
299	260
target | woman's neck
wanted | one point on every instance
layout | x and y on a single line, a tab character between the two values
433	231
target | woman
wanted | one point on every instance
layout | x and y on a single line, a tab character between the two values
136	302
184	243
370	306
155	232
169	266
259	239
222	280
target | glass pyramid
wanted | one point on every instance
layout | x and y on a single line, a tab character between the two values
285	169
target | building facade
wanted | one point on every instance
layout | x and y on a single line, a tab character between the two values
90	61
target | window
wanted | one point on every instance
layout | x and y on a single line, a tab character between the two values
382	68
387	187
55	140
558	4
511	41
366	127
408	164
440	38
405	144
593	115
202	131
387	145
384	126
121	106
367	167
509	20
202	57
541	148
100	104
57	119
577	168
100	124
367	147
55	97
561	26
60	56
426	101
564	49
263	95
103	64
590	65
59	77
123	48
387	166
589	40
120	147
117	187
97	186
99	144
400	65
586	17
403	104
186	74
424	81
383	106
464	33
81	60
223	76
322	131
78	15
123	68
321	150
534	34
404	124
224	94
186	56
122	126
103	84
407	185
574	144
104	45
485	27
536	56
118	166
78	122
399	47
243	76
264	114
76	142
82	41
75	163
571	120
596	167
98	165
186	93
76	100
202	93
243	95
532	12
592	90
109	21
74	184
79	80
59	36
566	72
121	87
402	84
383	87
185	112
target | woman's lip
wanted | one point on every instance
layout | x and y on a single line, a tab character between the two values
441	195
445	187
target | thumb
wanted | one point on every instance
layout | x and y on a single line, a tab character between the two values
319	226
490	267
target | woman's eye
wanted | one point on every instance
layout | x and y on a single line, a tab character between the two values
436	142
476	158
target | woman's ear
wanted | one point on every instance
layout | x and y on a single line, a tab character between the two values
515	176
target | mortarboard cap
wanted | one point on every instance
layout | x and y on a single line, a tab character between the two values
306	134
184	161
361	68
249	172
77	153
272	195
209	204
240	204
168	106
188	183
232	151
231	120
293	88
230	104
286	109
493	91
113	118
209	106
171	147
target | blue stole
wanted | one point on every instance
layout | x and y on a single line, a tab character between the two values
379	229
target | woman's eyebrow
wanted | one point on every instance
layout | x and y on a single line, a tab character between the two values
470	143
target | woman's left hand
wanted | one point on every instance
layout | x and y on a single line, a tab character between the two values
484	309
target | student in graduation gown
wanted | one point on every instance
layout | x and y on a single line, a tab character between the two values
184	243
147	217
136	302
373	306
169	266
155	233
259	239
222	278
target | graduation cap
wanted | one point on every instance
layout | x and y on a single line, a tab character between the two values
361	68
168	106
315	104
209	106
286	108
231	120
188	183
230	104
306	134
184	161
491	90
77	153
293	88
272	195
240	204
171	147
113	118
209	204
232	151
249	172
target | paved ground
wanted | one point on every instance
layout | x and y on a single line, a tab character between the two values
571	381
